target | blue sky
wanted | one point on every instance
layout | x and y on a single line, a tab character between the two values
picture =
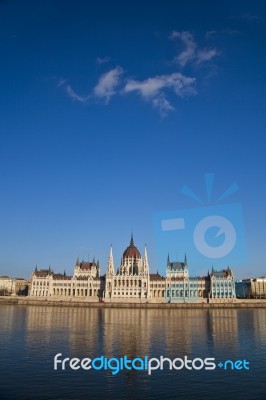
108	108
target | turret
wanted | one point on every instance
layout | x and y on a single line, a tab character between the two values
110	268
145	262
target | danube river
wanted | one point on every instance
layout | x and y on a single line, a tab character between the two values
30	337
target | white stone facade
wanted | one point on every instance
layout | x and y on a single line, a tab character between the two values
132	282
13	286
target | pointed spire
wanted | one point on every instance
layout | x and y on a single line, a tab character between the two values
145	252
168	260
111	268
145	262
77	262
185	259
131	240
64	272
36	268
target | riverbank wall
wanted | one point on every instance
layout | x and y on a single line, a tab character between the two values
237	303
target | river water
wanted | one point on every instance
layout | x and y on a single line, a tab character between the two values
31	336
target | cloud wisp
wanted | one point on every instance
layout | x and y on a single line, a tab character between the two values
191	53
246	18
158	90
102	60
71	92
221	33
108	84
153	89
106	87
75	96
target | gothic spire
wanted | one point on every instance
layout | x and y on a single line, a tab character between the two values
110	268
146	262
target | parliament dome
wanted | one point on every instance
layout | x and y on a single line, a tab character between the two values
131	251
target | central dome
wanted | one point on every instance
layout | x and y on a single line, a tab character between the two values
131	251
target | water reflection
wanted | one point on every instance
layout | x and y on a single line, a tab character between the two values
32	335
136	331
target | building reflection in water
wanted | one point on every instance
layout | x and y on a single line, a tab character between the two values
223	328
133	332
259	318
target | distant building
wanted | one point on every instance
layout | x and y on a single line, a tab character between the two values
222	285
132	282
13	286
243	289
254	288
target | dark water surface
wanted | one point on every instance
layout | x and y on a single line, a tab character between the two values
30	336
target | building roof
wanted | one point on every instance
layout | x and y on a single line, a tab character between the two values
131	251
156	277
86	265
176	266
61	276
224	273
42	273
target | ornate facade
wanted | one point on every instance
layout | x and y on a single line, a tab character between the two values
179	286
133	282
85	283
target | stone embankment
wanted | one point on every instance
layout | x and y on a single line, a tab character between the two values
237	303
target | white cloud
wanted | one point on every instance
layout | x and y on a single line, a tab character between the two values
108	83
61	82
162	104
181	84
103	60
206	55
191	52
71	93
220	33
156	89
153	89
75	96
188	54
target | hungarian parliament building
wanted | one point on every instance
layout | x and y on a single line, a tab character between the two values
133	283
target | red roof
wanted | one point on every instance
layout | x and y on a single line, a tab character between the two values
131	251
85	266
